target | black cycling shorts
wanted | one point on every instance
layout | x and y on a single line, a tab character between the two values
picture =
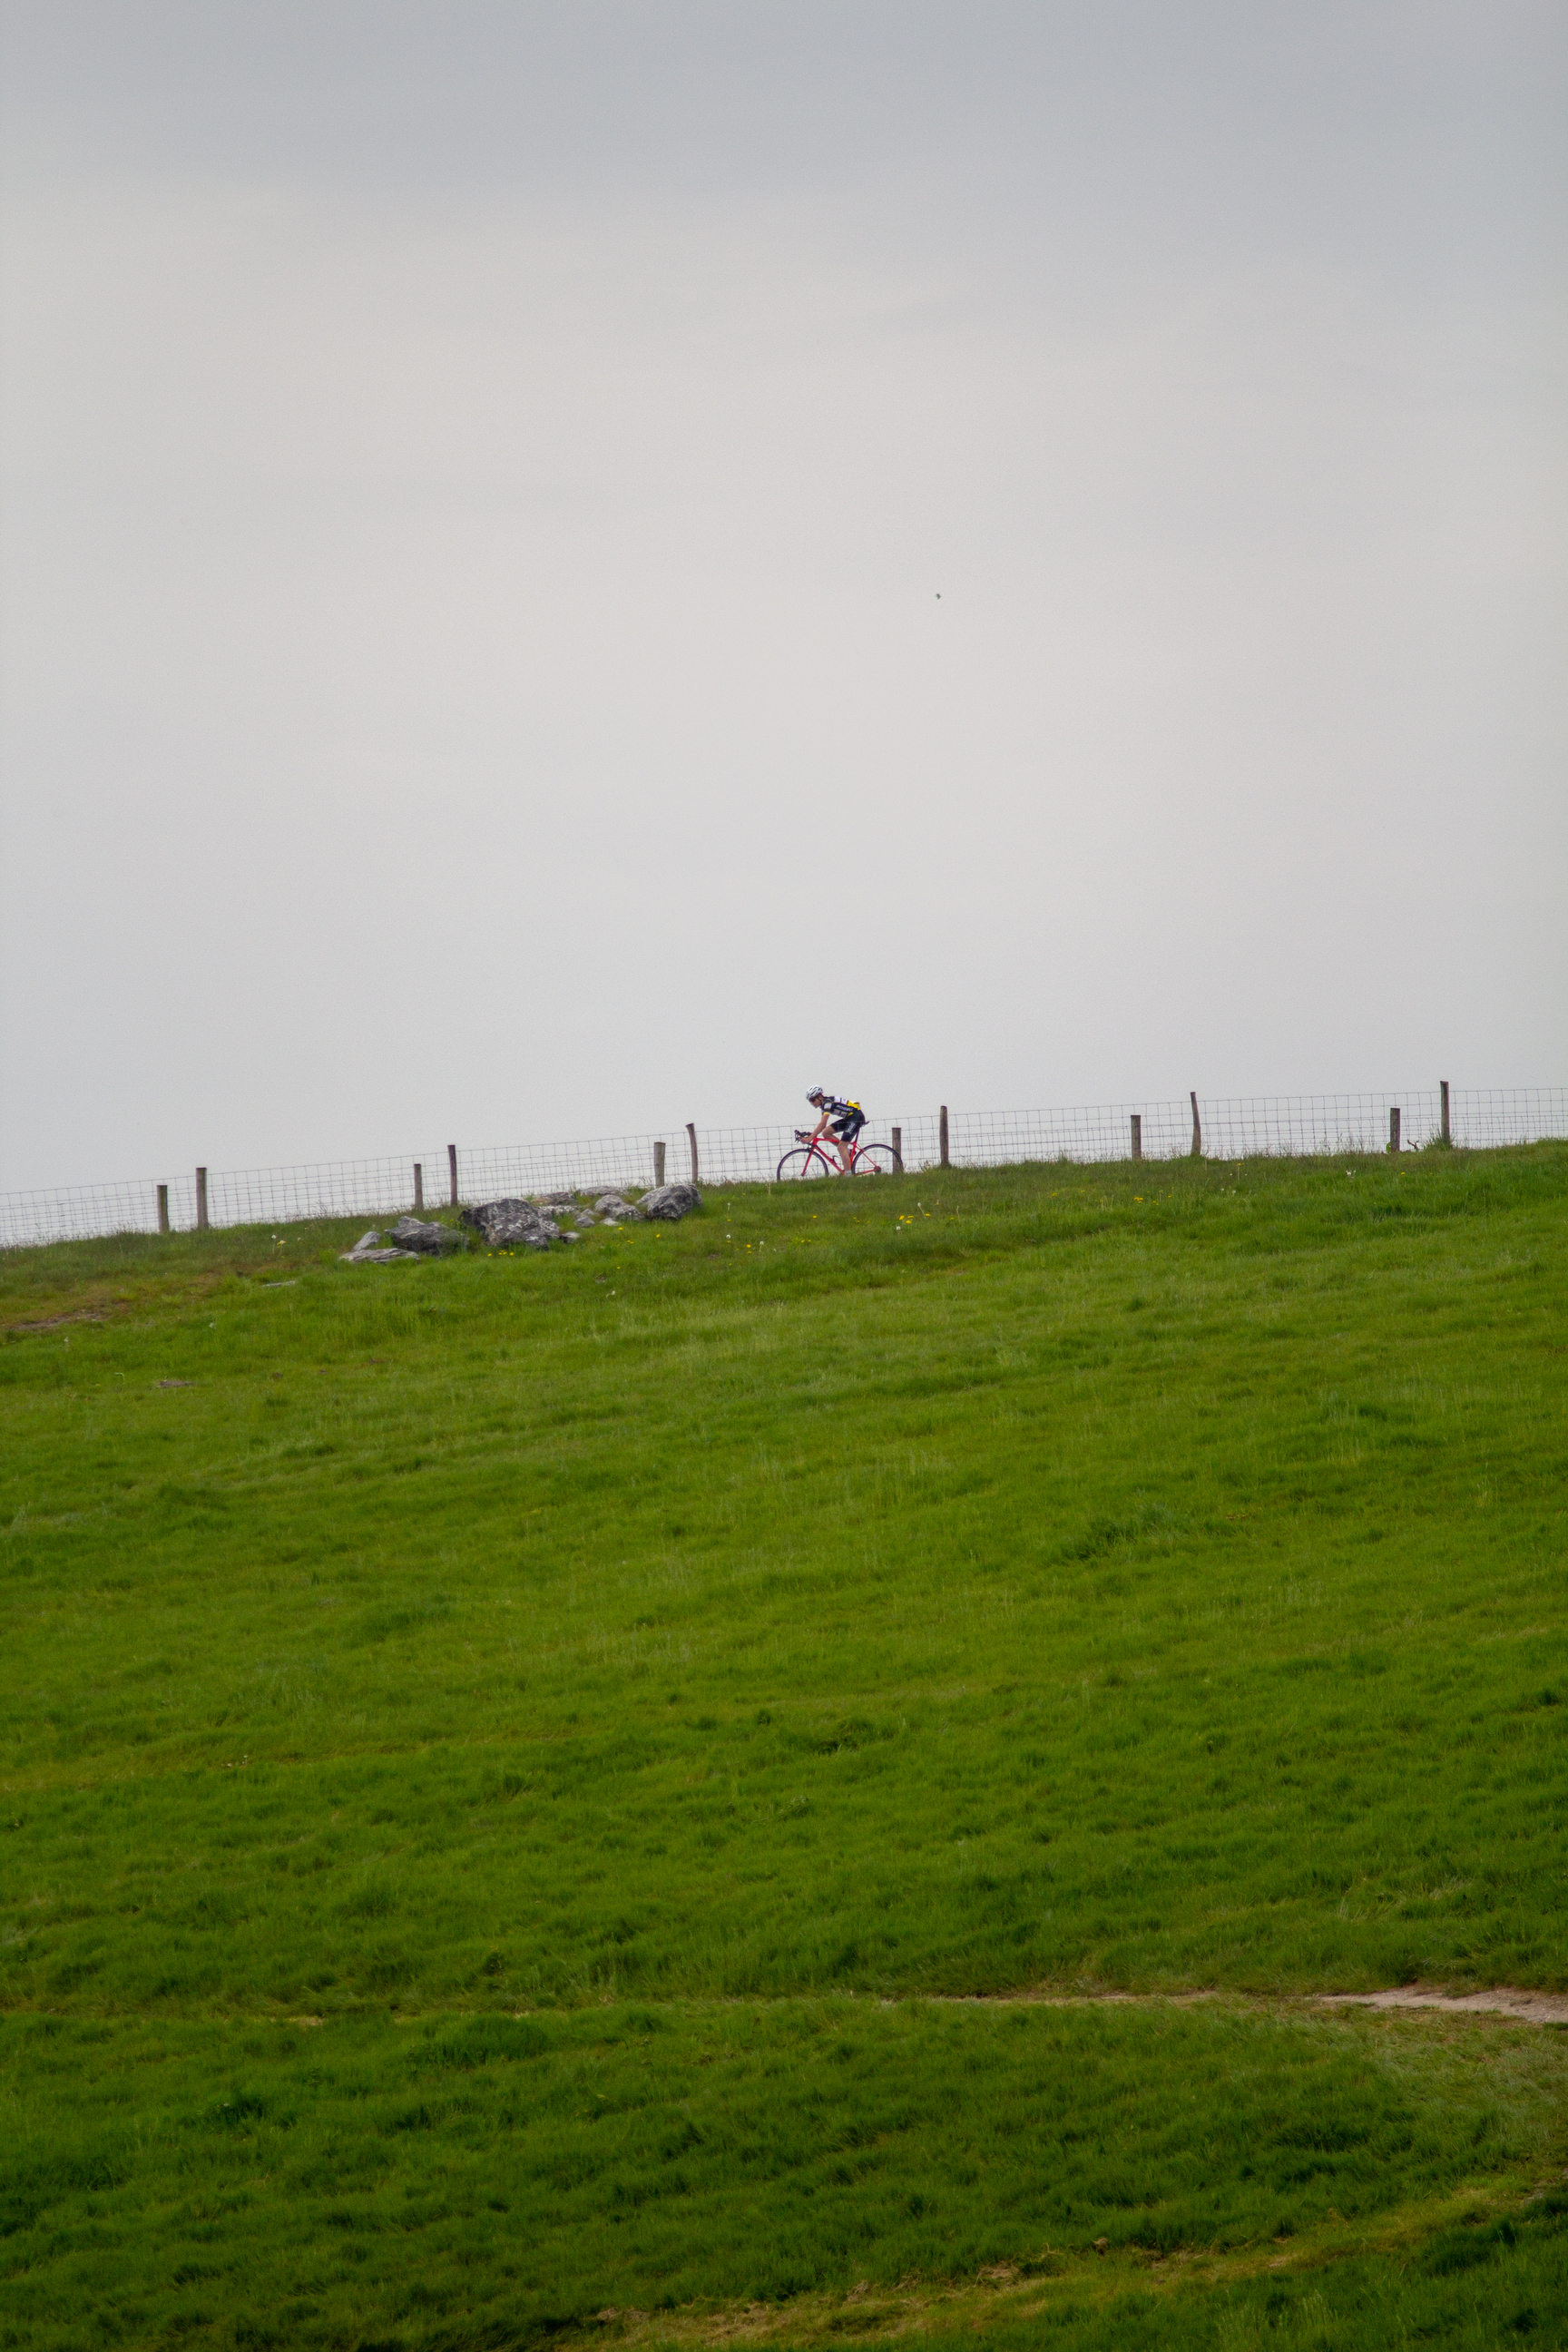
847	1128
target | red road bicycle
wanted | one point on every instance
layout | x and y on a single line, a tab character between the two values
816	1159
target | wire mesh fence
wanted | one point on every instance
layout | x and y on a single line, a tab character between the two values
342	1188
390	1188
1487	1118
612	1164
1297	1126
87	1211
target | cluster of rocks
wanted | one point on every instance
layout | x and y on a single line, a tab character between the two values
522	1225
534	1224
409	1237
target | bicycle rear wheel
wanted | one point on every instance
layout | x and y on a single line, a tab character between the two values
807	1161
877	1159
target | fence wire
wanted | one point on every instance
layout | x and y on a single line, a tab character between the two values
1294	1126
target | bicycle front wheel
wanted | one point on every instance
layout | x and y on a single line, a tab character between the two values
877	1159
807	1161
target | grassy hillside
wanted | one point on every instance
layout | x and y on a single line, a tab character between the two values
482	1743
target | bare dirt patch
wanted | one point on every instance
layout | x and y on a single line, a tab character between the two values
53	1322
1498	2000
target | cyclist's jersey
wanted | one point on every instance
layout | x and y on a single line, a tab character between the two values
848	1116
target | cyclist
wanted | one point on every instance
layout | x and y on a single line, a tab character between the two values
845	1118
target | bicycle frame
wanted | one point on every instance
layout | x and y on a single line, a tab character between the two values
818	1147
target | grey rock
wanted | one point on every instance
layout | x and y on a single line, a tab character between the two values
512	1225
365	1252
586	1219
670	1201
611	1204
430	1241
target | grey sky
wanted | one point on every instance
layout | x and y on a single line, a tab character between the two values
572	567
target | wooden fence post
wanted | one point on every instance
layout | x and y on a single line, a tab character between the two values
452	1169
1393	1130
1137	1135
201	1200
162	1208
1442	1090
898	1148
941	1137
1197	1130
692	1131
419	1186
659	1163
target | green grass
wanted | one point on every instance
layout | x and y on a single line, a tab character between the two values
1144	1578
483	2180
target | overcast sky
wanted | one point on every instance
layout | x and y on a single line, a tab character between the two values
574	567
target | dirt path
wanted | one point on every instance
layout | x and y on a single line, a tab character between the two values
1498	2000
1516	2001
